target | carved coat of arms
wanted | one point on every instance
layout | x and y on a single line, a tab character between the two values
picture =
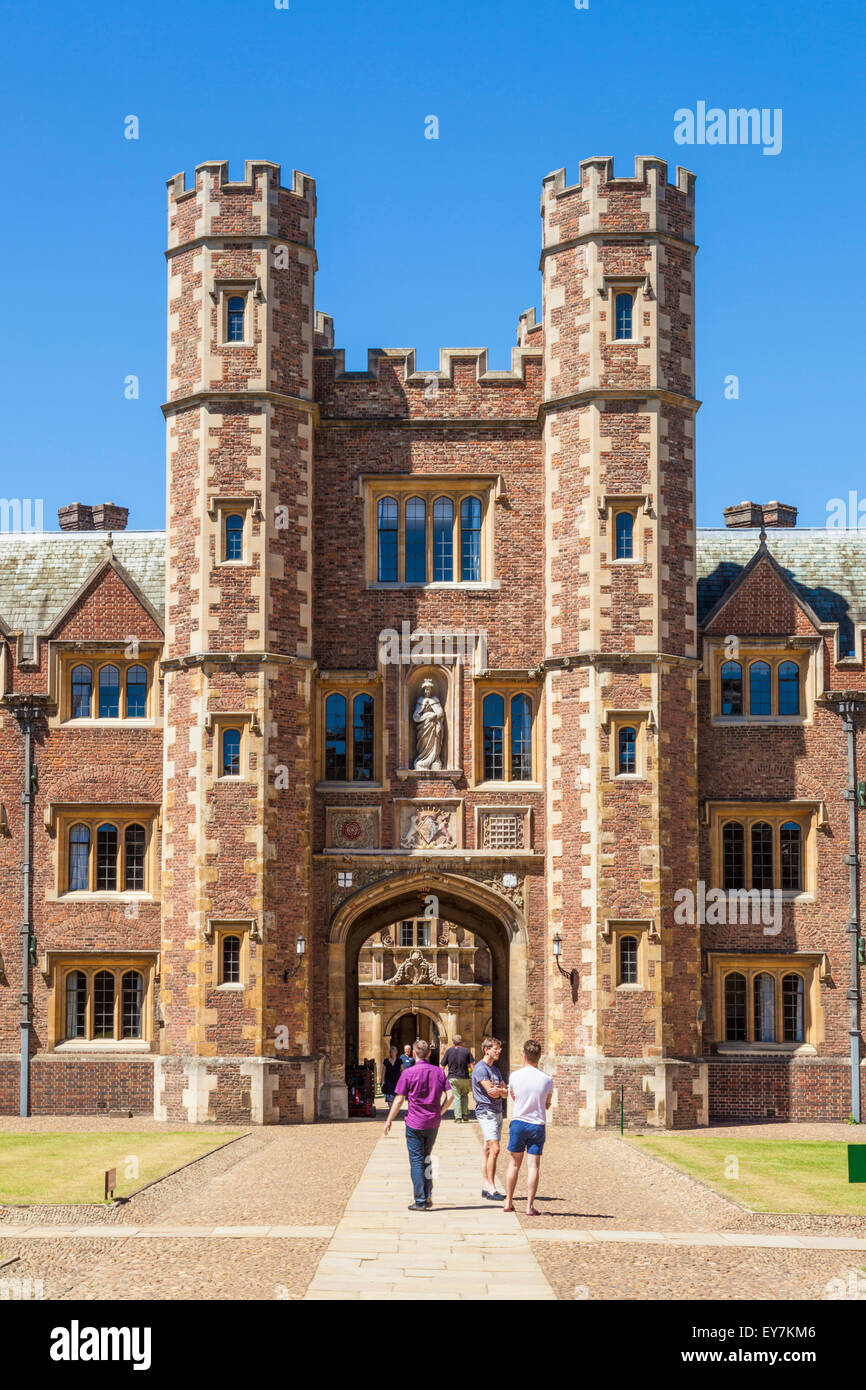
428	829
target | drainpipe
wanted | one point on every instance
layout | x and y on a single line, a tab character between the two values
26	709
848	708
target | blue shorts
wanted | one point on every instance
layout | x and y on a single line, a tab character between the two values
525	1138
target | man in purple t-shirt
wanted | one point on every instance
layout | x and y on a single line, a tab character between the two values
429	1096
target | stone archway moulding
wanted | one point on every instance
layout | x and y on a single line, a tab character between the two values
484	911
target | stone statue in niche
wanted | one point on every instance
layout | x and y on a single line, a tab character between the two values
429	719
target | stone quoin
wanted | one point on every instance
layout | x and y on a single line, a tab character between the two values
269	823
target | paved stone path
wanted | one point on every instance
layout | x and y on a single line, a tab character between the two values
464	1248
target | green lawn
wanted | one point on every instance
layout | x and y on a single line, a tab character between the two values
70	1168
773	1175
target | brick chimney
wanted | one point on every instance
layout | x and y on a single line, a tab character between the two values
104	516
756	514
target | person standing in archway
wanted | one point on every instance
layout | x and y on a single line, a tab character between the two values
429	1096
489	1091
392	1070
456	1063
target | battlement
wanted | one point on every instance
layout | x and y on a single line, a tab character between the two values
256	206
601	202
302	184
643	165
447	358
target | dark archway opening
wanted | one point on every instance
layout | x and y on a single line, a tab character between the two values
411	904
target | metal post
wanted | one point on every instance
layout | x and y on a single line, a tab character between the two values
848	708
26	710
622	1109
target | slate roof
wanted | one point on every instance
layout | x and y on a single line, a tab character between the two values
42	571
826	565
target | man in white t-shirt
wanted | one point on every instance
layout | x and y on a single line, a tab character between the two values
531	1091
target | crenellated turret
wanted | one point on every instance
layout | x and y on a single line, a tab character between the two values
239	671
617	264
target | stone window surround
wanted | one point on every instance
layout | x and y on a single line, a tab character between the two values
805	651
65	656
507	684
644	725
246	288
635	284
644	929
489	488
812	966
216	723
635	503
349	684
217	929
809	815
61	817
221	506
55	967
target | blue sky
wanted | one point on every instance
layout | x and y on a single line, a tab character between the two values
429	243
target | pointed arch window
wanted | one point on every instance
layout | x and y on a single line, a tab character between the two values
624	536
764	1000
233	546
521	738
735	1007
626	753
106	859
76	1005
134	845
763	875
388	518
793	993
623	310
494	738
628	960
416	540
335	738
231	960
230	765
732	688
363	747
136	692
235	315
791	857
443	540
759	687
789	688
470	539
82	691
734	855
103	1004
132	995
109	692
79	859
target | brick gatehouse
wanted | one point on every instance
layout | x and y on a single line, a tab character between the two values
437	650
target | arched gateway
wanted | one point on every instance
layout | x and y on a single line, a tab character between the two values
482	910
